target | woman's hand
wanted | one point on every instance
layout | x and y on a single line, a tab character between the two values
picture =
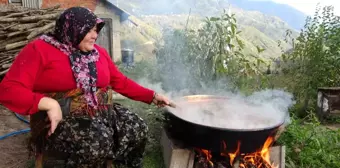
54	112
160	100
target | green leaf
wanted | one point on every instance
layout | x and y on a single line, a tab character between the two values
214	19
260	50
233	28
240	43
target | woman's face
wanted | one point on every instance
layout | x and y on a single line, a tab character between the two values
87	44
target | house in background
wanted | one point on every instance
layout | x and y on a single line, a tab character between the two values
109	37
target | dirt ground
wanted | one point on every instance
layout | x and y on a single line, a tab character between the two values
333	126
14	153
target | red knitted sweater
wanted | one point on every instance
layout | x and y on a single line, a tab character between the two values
41	68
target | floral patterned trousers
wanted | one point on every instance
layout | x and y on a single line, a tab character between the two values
112	133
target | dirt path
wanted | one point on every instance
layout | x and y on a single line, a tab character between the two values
13	149
333	126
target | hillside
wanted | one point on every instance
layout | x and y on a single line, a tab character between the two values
271	26
290	15
258	29
253	37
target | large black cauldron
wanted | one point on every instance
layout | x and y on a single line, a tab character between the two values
211	138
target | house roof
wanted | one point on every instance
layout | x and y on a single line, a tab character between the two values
124	15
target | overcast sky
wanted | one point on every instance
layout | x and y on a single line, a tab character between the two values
308	6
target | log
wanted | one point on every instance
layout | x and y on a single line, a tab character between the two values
5	55
13	40
3	36
6	66
26	32
30	18
16	45
15	15
13	51
10	52
40	30
4	72
49	31
6	60
18	33
12	25
27	26
19	26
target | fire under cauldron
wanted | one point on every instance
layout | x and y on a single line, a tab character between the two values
212	138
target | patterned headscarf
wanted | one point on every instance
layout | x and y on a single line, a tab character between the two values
70	29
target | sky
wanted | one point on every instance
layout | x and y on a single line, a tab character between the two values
305	6
308	6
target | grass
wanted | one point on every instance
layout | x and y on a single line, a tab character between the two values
310	144
154	159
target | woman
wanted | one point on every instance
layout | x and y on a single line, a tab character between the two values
65	77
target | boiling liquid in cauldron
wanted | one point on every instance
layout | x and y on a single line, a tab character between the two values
230	114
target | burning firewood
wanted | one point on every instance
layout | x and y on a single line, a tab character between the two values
19	26
258	159
240	162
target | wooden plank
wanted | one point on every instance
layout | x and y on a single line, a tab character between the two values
328	103
175	157
277	155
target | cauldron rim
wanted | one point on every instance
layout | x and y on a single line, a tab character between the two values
205	96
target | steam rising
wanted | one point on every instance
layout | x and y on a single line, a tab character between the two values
263	109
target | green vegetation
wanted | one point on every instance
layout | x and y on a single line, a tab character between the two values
314	60
310	145
213	52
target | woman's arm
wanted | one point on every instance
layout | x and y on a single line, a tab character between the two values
16	88
127	87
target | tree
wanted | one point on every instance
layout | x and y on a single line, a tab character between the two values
211	52
315	59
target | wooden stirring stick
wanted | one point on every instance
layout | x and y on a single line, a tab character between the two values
172	104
